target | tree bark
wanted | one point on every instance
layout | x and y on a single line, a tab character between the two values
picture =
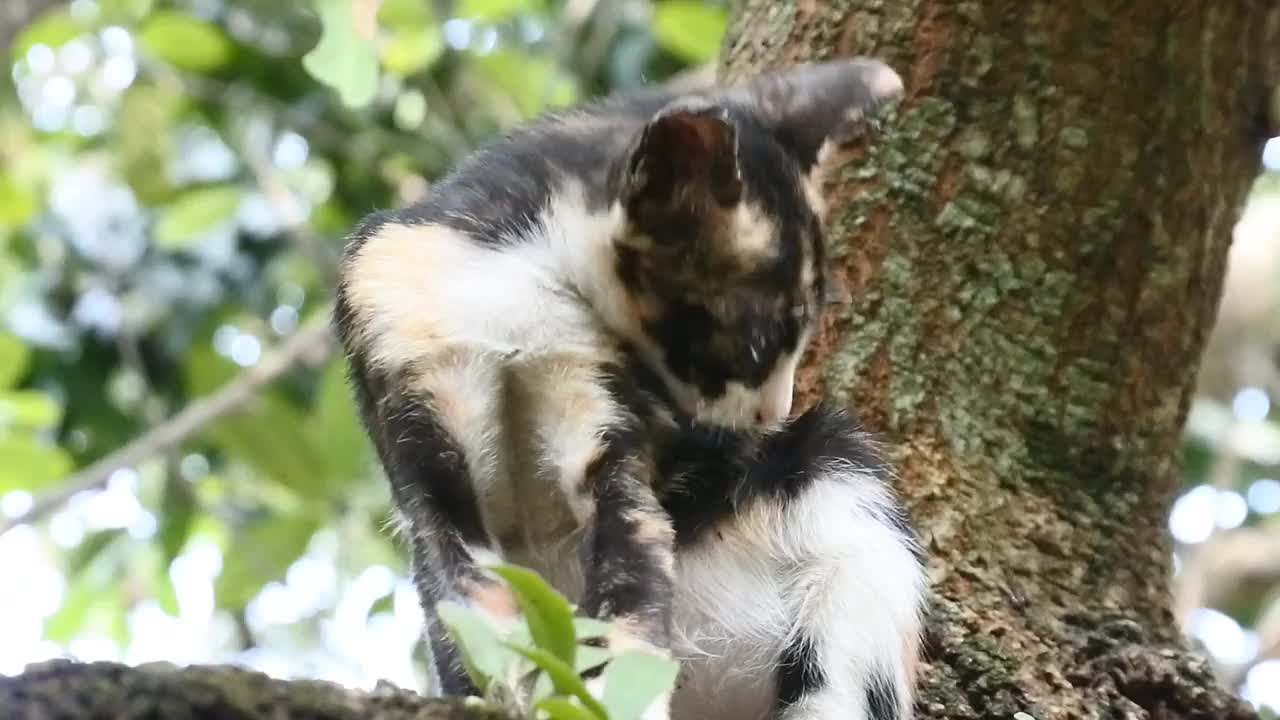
1033	253
159	691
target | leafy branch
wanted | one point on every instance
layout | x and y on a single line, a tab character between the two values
311	344
536	664
531	669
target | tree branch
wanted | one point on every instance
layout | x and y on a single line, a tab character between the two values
312	343
61	688
16	15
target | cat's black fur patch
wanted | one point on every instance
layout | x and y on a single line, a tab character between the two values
454	680
799	673
882	698
497	193
427	467
720	472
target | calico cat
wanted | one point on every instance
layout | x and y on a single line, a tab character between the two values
577	353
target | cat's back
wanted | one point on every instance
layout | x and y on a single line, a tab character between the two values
489	256
499	192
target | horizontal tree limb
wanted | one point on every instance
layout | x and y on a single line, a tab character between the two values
312	343
162	691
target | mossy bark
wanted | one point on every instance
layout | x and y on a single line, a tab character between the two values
1033	255
1032	251
63	690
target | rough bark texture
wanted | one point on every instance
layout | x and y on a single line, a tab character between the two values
1033	257
62	690
1033	253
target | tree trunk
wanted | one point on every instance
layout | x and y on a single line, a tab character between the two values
1033	256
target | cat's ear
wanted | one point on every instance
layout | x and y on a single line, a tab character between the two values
686	154
810	108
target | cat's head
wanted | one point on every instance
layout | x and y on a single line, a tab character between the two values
723	253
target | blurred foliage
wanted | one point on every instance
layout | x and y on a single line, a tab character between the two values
176	177
1226	522
175	181
27	417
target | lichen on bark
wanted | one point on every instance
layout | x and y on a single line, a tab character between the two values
1031	250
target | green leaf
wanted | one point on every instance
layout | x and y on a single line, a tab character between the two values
109	615
91	548
334	430
260	554
589	657
519	633
384	604
405	13
409	50
14	356
29	410
343	59
633	680
484	655
585	627
495	10
184	41
566	681
162	590
205	370
17	204
63	625
146	116
533	83
54	28
194	213
690	29
29	465
561	708
269	435
547	613
177	513
124	10
95	595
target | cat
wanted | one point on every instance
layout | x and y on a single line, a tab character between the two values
582	343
